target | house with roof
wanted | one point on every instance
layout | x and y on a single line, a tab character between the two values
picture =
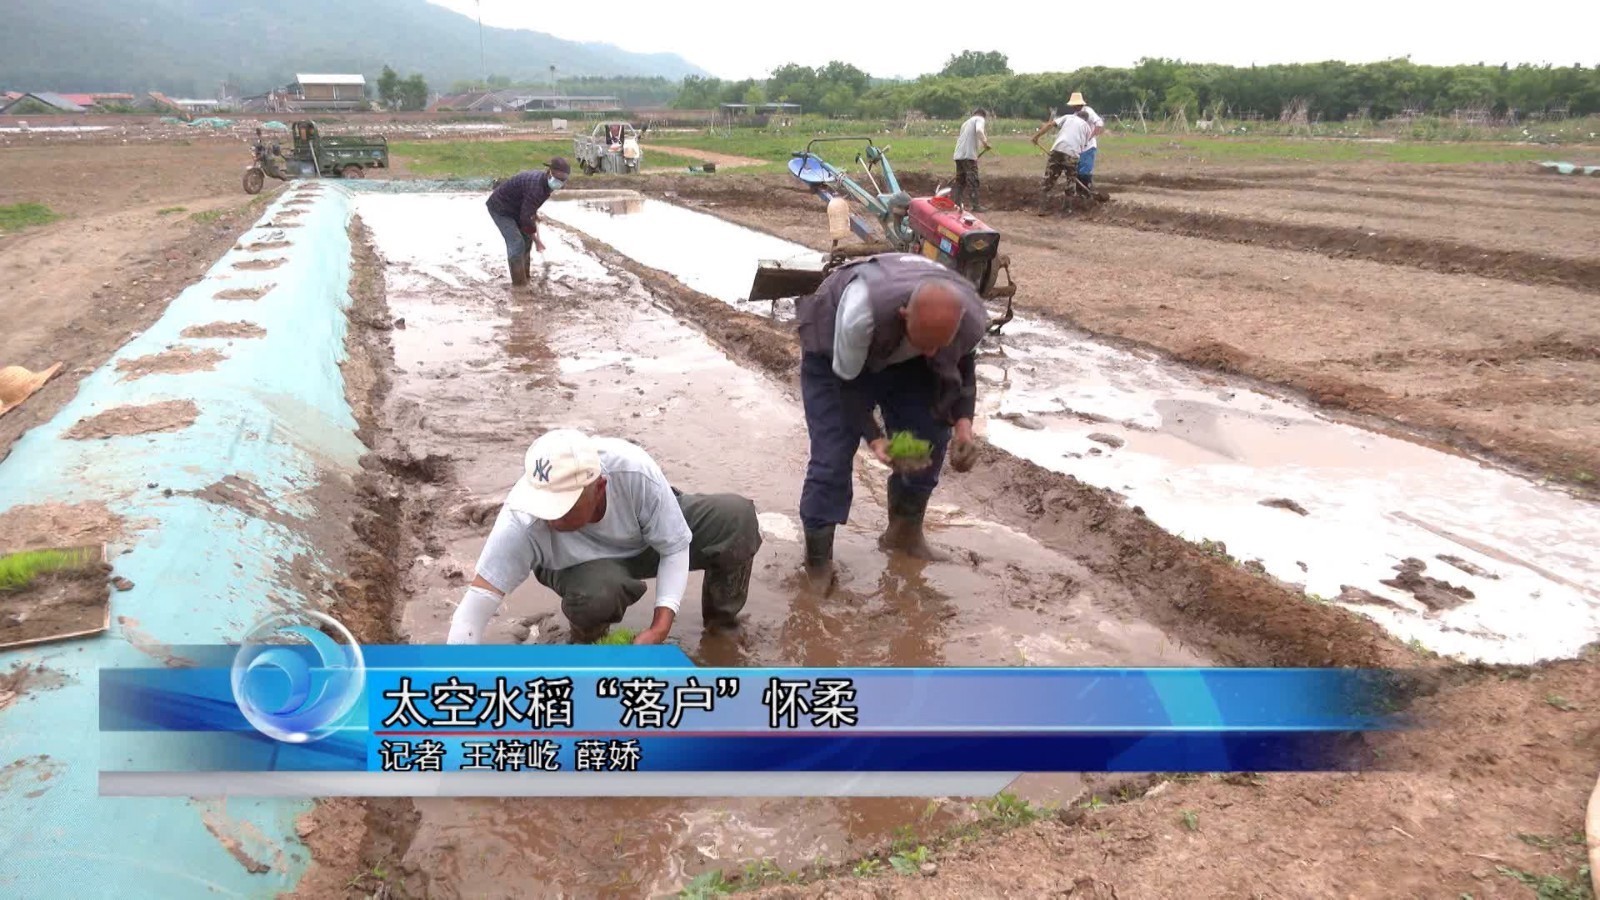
328	92
39	102
518	100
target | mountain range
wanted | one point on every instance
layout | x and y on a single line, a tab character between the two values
189	47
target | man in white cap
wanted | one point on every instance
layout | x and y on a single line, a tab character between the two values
591	518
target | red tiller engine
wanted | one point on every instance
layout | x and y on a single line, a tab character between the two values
955	238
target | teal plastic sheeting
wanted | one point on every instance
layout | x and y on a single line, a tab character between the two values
273	413
1567	168
274	126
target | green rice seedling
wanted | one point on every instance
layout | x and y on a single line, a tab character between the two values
18	570
905	445
617	636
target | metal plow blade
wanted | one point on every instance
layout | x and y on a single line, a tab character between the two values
776	279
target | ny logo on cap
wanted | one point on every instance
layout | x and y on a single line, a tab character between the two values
541	469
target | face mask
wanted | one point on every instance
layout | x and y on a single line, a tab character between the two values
556	183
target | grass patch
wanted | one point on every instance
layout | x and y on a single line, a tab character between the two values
17	216
207	216
707	885
171	210
501	159
18	570
1552	887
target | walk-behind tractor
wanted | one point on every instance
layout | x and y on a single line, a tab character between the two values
934	227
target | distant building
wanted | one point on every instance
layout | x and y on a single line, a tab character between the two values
328	92
196	106
514	100
39	101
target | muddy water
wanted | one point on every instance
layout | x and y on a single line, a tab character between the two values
482	371
1200	454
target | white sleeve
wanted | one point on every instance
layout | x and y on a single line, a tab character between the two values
983	133
852	331
472	616
672	579
1094	117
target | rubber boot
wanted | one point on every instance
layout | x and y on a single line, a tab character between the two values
1044	203
519	269
723	594
819	556
907	509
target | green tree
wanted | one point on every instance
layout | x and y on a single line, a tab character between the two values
389	87
414	93
973	63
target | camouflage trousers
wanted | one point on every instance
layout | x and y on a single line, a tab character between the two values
1059	165
966	182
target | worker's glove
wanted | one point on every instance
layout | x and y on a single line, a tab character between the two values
963	455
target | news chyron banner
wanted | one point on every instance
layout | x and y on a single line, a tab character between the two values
300	709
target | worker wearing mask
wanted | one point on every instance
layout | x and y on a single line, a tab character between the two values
591	518
1072	137
899	333
1076	106
968	142
514	207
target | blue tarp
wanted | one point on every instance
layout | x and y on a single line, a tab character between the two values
274	413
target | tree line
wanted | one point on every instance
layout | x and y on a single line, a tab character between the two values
1163	87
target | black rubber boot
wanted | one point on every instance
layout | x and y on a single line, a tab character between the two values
519	269
907	510
819	556
723	594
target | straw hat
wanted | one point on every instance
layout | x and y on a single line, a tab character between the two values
1076	100
17	384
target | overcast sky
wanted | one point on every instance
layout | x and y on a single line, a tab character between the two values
747	38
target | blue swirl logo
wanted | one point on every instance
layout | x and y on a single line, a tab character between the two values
297	675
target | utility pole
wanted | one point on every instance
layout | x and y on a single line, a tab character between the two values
483	68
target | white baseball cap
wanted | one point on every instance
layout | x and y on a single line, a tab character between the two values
559	465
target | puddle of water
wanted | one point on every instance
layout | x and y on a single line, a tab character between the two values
1199	456
700	250
488	370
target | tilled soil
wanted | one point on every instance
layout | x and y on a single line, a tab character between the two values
1489	798
170	211
1502	362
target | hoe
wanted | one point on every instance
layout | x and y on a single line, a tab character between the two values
934	227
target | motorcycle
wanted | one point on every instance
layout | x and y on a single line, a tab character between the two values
267	160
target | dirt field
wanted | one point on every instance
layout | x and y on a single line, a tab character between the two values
141	222
1444	324
1473	344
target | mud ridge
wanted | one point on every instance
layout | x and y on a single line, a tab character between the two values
168	415
170	362
351	838
1243	619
